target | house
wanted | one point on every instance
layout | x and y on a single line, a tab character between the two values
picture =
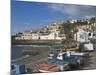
44	36
51	36
27	35
35	36
92	35
54	27
72	21
18	36
41	36
81	36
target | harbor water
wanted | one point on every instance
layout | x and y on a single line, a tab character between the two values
17	50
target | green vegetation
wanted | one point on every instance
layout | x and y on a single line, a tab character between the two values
68	27
92	21
69	30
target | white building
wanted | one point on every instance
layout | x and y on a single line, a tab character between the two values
91	35
26	35
44	36
52	36
35	36
41	36
73	21
81	36
84	36
18	38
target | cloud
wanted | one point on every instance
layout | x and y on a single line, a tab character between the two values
73	10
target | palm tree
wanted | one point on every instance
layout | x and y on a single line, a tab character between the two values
92	22
68	28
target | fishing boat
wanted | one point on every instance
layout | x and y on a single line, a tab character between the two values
72	49
79	53
45	67
63	66
67	56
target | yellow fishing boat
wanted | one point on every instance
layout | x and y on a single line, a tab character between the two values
71	49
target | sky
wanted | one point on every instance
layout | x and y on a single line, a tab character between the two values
34	15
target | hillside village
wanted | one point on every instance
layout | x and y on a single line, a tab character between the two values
77	30
75	52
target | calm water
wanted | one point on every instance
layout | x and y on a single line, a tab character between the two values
16	51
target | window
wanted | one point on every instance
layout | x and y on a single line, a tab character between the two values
81	36
94	34
89	34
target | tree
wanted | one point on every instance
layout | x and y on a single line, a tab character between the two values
68	30
92	22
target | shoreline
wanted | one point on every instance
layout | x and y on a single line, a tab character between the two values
36	42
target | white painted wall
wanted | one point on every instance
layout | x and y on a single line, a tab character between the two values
47	37
92	37
44	37
52	36
18	38
89	46
26	36
35	36
81	36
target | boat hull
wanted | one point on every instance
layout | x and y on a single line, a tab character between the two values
44	71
